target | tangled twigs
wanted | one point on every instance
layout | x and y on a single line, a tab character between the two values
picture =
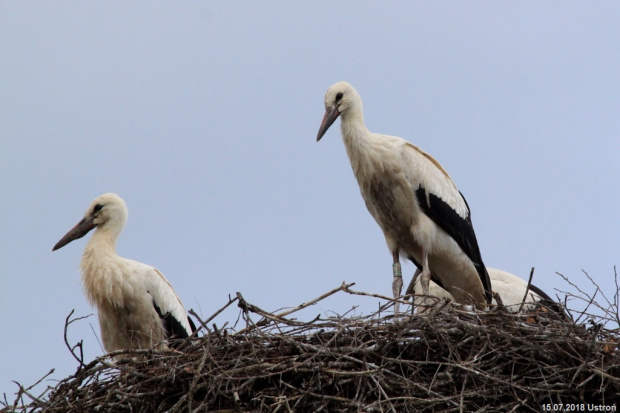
244	305
26	392
203	324
610	309
451	359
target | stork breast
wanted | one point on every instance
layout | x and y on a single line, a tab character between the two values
391	204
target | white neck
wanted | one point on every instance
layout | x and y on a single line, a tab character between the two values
357	138
102	241
96	275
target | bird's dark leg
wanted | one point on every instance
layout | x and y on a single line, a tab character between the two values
397	283
411	289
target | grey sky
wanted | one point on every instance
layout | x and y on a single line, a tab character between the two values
203	117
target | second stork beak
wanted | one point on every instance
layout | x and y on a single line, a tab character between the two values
82	228
331	115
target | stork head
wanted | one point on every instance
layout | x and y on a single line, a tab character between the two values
341	99
106	211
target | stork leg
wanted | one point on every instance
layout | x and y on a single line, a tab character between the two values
397	283
425	276
411	288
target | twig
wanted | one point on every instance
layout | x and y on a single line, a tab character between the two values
343	287
280	317
68	322
203	324
527	290
375	295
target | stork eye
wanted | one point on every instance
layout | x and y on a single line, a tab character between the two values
338	97
97	208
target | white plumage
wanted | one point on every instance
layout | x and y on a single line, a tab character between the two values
136	305
422	214
510	288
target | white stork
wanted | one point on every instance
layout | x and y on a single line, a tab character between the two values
137	306
510	288
422	214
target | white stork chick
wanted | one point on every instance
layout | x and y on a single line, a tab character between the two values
510	288
137	306
421	212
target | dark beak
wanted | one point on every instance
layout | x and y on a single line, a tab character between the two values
331	115
82	228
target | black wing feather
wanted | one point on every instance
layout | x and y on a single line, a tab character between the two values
173	327
191	324
459	228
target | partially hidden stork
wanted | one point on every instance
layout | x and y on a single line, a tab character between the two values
136	304
510	288
421	212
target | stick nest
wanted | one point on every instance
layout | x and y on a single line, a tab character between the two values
450	359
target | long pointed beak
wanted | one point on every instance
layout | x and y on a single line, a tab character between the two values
331	115
82	228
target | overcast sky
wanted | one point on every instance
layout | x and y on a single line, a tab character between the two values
203	117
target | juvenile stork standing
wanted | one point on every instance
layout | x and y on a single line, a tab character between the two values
137	306
510	288
422	214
